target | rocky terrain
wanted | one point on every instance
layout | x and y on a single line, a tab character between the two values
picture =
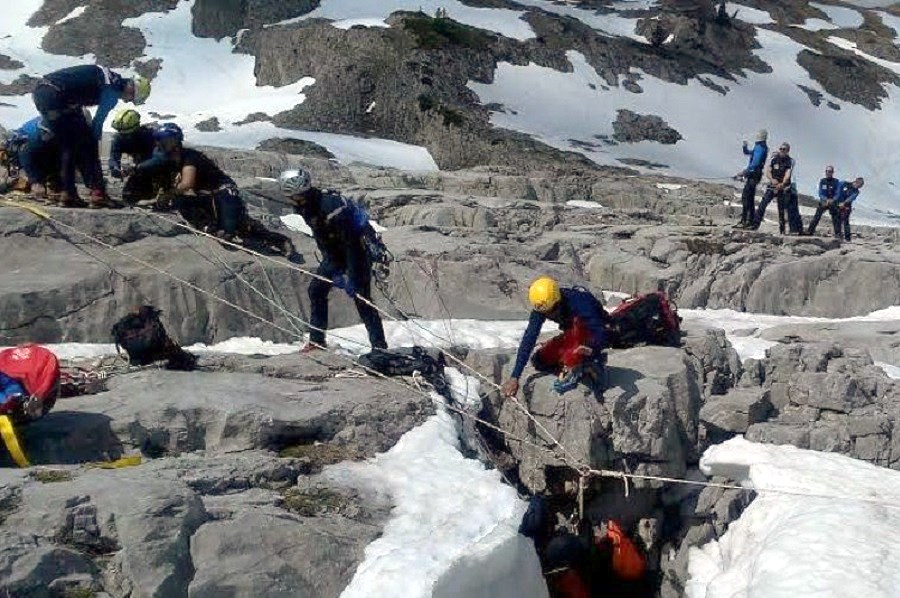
234	454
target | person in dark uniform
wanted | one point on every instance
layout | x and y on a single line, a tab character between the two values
847	194
207	197
778	172
342	232
138	142
61	97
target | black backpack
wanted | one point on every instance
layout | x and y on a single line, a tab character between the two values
406	360
142	335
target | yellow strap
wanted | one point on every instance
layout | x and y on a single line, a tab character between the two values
130	461
12	442
34	209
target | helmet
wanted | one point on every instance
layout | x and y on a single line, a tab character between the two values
141	90
294	181
762	135
126	121
544	294
168	131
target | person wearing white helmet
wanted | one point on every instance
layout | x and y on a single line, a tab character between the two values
751	176
342	232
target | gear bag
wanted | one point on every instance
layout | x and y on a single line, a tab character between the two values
407	360
650	319
142	335
36	369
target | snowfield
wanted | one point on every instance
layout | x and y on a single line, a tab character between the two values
802	546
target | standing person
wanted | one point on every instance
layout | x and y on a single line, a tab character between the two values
847	194
342	233
60	97
206	196
578	351
137	141
828	188
792	204
778	173
752	175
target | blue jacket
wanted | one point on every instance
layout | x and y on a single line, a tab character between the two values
10	390
32	141
828	188
575	303
758	156
846	193
89	85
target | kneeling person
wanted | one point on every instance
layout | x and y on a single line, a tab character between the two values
574	353
138	142
342	233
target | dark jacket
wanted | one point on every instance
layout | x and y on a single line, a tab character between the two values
778	166
575	302
89	85
138	144
339	227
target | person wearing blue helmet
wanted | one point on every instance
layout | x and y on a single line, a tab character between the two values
207	197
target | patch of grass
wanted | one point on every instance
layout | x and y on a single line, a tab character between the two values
50	476
320	454
312	502
79	592
434	34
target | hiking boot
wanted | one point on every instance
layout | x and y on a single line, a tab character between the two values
70	200
99	199
310	348
567	380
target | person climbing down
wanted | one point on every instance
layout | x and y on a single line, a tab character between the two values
846	195
751	176
206	197
778	172
828	188
37	155
348	244
572	355
60	97
138	142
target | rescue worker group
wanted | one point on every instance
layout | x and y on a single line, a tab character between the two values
164	174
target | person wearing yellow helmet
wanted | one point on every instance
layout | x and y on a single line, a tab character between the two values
576	352
138	142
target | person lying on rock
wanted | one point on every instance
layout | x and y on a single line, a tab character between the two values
60	97
778	172
574	355
345	238
207	197
138	142
37	156
828	187
847	194
751	176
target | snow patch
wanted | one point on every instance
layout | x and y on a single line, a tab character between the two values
754	16
799	546
77	12
584	203
839	17
454	526
608	23
499	20
892	371
669	186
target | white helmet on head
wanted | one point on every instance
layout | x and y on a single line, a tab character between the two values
295	181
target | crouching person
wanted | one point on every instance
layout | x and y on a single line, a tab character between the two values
575	355
139	143
208	198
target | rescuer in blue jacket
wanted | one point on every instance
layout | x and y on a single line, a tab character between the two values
752	175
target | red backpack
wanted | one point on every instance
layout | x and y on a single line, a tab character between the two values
36	368
650	319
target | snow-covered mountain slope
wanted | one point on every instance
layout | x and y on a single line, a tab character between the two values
198	79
